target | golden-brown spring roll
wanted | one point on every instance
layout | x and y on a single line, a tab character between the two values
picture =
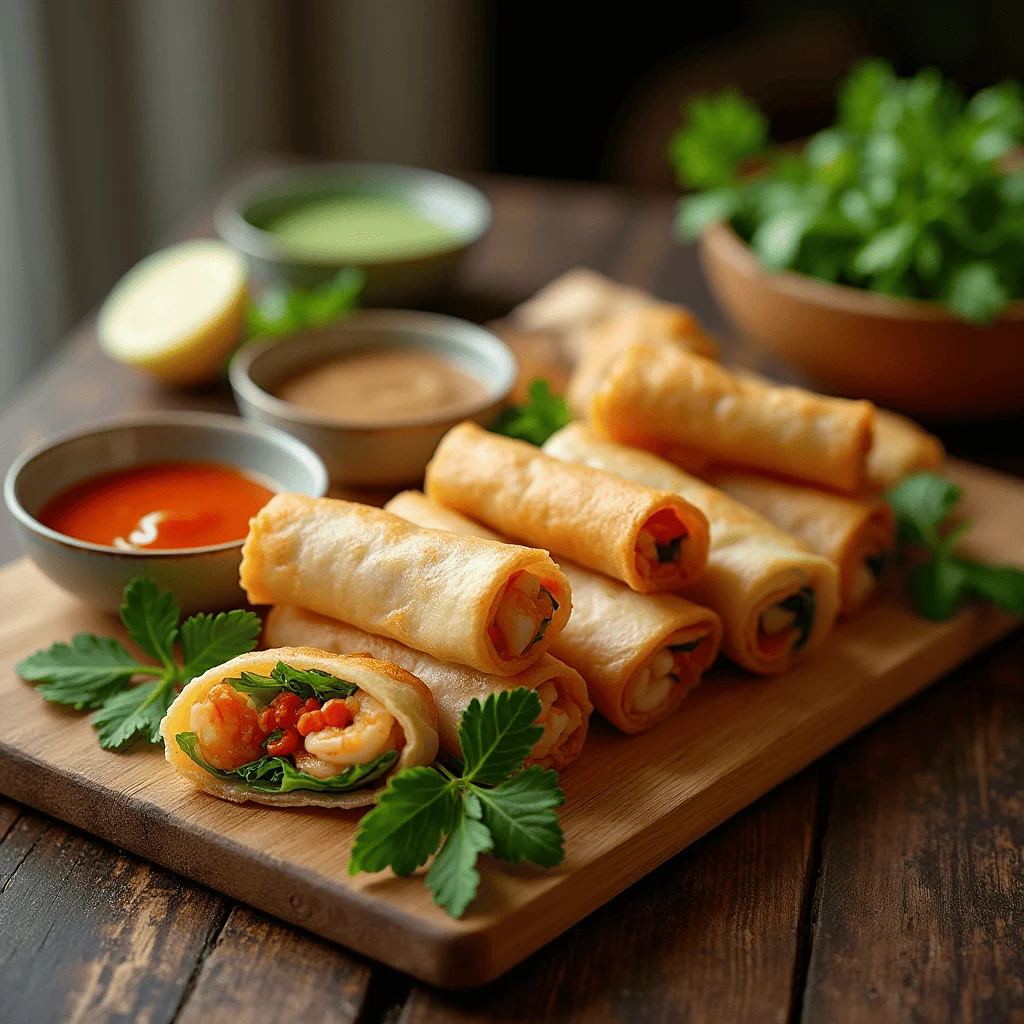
566	708
858	534
658	395
234	732
496	607
777	599
640	654
899	448
650	540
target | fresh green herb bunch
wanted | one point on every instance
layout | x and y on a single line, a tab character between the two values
491	807
280	311
941	579
907	194
542	415
97	672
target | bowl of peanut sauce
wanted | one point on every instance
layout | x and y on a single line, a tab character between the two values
374	394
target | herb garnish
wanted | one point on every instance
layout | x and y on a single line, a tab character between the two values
515	820
543	415
923	504
96	672
305	683
278	775
905	194
278	311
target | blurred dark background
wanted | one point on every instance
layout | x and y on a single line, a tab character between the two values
118	116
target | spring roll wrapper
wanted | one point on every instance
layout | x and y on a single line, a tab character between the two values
402	694
656	395
900	448
370	568
844	530
752	564
612	632
452	686
588	516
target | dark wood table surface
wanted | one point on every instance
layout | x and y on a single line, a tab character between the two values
884	883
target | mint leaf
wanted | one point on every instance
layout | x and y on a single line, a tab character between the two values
405	828
497	736
83	673
520	814
207	641
453	878
543	415
132	712
151	619
922	502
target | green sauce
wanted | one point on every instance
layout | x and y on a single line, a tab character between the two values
359	227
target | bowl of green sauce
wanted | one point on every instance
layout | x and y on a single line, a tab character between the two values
405	227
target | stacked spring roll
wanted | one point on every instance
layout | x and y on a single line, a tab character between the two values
640	655
231	732
900	448
857	534
653	541
494	607
658	395
777	599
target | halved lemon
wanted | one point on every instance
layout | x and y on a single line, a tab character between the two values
179	312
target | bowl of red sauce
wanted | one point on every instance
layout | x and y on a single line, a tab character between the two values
163	495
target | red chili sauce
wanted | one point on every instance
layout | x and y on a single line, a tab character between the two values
162	505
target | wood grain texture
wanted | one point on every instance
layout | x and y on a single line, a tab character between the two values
711	936
259	967
90	933
921	914
631	802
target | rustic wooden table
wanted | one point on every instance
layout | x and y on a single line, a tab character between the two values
885	883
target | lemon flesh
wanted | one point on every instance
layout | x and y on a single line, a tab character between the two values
178	313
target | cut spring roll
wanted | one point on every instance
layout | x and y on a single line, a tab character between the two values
650	540
496	607
640	654
900	448
777	599
659	395
858	534
297	727
566	708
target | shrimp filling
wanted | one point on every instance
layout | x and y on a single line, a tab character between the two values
247	733
656	680
560	716
787	623
659	543
524	613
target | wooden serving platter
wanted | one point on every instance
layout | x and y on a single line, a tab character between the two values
630	802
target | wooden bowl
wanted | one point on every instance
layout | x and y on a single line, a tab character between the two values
908	354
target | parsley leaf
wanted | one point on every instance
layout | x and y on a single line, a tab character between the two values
923	504
151	619
83	673
207	641
543	415
453	878
97	672
421	806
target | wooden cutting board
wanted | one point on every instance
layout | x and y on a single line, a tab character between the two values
630	802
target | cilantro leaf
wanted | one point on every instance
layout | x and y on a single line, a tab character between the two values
498	735
922	502
1001	584
207	641
543	415
83	673
305	683
405	828
278	312
520	814
453	878
936	587
151	619
138	710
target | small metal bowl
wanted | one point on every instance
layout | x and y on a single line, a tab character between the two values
201	579
243	214
355	453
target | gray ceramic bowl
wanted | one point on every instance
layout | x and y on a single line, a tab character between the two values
201	579
243	214
354	453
